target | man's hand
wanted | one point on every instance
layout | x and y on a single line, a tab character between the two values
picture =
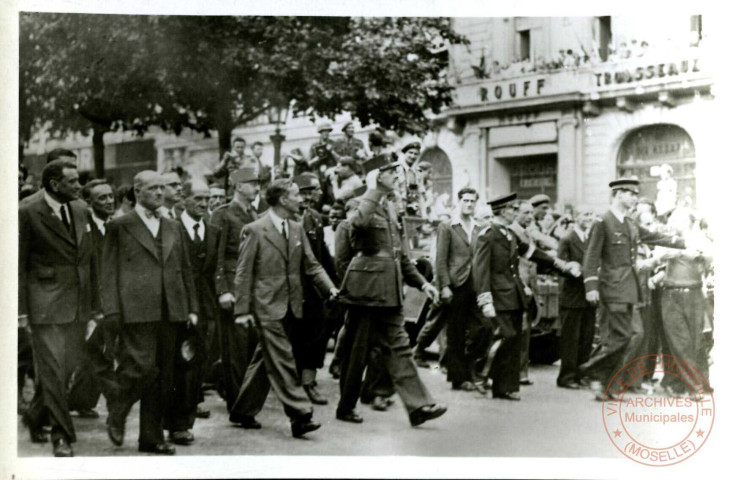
431	292
90	327
245	320
489	311
574	269
371	180
334	293
193	319
528	291
226	301
446	295
592	297
22	321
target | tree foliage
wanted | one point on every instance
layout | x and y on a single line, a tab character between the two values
110	72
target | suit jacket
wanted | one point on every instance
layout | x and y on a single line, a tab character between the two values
496	266
573	293
204	265
269	273
55	268
314	228
343	248
453	255
380	263
136	276
609	265
230	219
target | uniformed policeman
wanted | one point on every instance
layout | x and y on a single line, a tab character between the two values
501	295
373	290
611	278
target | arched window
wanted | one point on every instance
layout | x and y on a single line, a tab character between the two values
646	149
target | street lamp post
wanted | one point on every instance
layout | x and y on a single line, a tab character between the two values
277	138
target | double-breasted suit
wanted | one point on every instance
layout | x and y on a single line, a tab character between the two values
496	272
269	287
577	316
237	342
56	292
148	287
373	290
610	267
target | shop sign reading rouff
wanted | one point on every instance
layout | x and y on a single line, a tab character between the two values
516	89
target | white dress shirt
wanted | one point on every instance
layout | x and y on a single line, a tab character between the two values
152	223
167	212
56	206
457	220
278	222
582	235
189	225
100	224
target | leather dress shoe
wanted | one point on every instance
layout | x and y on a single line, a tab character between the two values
301	428
569	385
602	396
245	421
513	396
201	412
465	386
426	413
379	404
335	371
526	381
61	448
115	432
350	416
480	388
162	448
182	437
87	413
314	395
37	434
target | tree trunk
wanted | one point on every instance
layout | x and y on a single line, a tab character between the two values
98	142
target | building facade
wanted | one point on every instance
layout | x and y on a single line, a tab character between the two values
564	105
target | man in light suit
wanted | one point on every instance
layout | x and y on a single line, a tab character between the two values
275	255
148	287
56	296
577	316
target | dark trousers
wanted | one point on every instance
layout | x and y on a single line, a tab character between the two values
383	327
433	326
237	344
506	366
650	343
525	346
55	352
187	378
624	335
146	373
25	364
99	369
683	311
462	319
273	366
576	339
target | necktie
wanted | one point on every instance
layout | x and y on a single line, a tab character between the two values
151	213
196	237
171	213
64	218
283	230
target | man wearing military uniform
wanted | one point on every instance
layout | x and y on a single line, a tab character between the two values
322	152
611	278
237	341
501	295
350	146
373	289
309	336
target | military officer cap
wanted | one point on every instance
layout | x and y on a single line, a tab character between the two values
324	126
243	175
499	203
630	184
410	146
381	162
424	166
347	124
305	182
348	162
539	199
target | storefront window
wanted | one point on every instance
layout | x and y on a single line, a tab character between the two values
646	150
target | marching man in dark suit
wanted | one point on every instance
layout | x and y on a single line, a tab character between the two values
501	295
148	288
611	278
202	246
454	247
275	256
237	342
373	289
56	296
577	316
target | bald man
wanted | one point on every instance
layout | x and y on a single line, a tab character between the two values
148	288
